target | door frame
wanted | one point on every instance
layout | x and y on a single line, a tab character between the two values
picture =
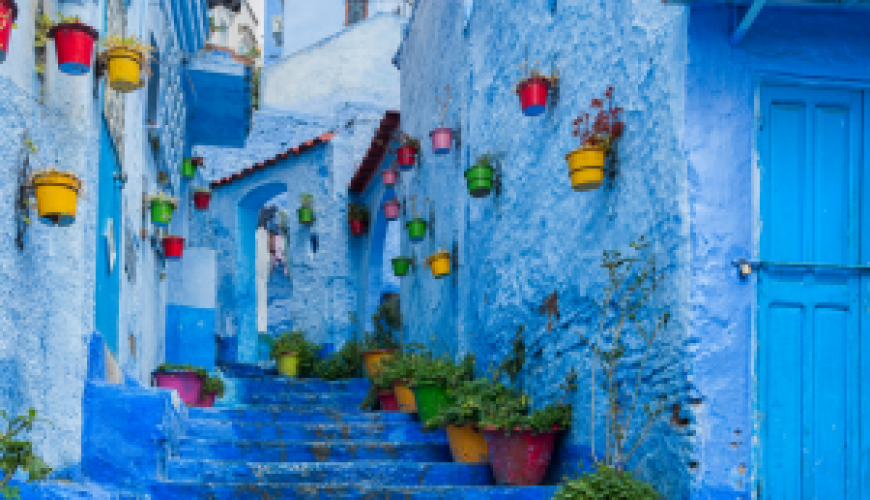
761	79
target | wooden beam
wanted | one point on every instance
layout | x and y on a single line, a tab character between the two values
748	19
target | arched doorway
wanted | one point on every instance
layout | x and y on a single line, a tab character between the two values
384	245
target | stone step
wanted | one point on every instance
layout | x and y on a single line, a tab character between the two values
175	490
295	431
313	415
349	400
272	385
315	451
380	472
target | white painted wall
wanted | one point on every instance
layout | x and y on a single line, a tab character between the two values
263	265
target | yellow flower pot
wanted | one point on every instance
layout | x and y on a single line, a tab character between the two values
56	196
373	358
124	68
586	165
439	263
288	364
405	397
467	444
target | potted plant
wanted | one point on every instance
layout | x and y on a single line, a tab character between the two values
439	263
188	167
173	247
8	16
382	344
586	164
17	453
74	44
480	177
406	155
212	388
295	355
442	138
126	58
533	89
433	380
306	211
382	387
401	265
56	196
606	482
162	206
389	176
344	364
391	209
358	218
417	225
185	379
201	198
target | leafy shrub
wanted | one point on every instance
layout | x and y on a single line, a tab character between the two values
344	364
607	482
306	352
18	454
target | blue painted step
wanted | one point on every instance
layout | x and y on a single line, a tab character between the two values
309	491
271	385
315	451
295	414
294	431
349	400
383	472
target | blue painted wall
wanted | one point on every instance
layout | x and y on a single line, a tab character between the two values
274	45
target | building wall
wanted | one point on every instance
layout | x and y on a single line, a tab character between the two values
273	41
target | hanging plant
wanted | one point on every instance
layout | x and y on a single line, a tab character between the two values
188	167
173	247
126	58
401	265
56	196
74	44
391	209
162	207
442	138
8	16
480	177
417	225
201	198
586	164
533	89
358	218
439	263
407	152
306	211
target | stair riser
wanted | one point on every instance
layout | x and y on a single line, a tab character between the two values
302	386
170	491
296	415
314	452
349	401
404	432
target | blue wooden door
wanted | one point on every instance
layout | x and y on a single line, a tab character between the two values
108	278
813	341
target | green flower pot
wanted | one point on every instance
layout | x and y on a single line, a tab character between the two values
430	399
188	169
401	266
416	229
161	212
306	215
480	180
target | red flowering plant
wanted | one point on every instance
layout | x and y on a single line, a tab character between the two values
606	128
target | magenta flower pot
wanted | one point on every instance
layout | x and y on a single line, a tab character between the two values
391	209
521	458
186	384
390	176
442	139
206	401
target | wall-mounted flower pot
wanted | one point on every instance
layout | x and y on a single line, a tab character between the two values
373	357
467	444
391	209
388	401
390	176
124	68
56	196
8	15
586	166
405	396
201	198
187	384
74	45
480	179
430	398
401	266
442	140
306	215
161	211
521	458
416	229
533	95
439	264
357	227
288	364
173	247
188	169
407	156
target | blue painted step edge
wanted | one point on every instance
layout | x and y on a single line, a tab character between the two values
313	491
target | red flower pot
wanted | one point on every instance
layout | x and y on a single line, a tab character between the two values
391	209
173	247
201	199
406	156
533	96
74	44
520	459
388	401
442	139
357	226
390	176
186	384
206	401
8	15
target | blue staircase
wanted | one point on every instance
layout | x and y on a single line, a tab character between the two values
308	439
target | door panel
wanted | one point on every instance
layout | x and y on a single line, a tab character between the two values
108	278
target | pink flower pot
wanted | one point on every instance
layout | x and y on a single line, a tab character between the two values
388	401
186	384
390	176
391	209
442	139
520	459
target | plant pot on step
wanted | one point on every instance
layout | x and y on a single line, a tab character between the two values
74	46
372	359
401	266
467	444
480	179
391	209
519	457
416	229
186	383
56	196
533	95
288	364
389	176
586	166
388	401
442	140
206	400
201	198
439	264
430	398
173	247
8	15
404	396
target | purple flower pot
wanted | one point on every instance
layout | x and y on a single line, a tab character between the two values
442	139
390	176
391	209
186	384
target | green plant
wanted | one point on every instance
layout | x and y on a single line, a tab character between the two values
606	482
407	141
131	43
213	385
18	453
346	363
306	199
358	211
173	367
31	146
386	321
467	402
306	352
530	71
